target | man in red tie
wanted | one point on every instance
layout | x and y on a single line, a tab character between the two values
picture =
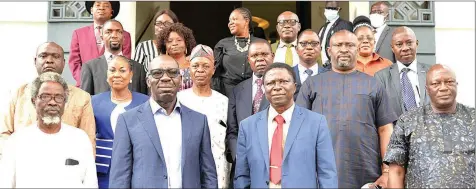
284	146
86	42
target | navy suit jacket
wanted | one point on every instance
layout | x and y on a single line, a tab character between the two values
308	157
137	156
240	107
320	69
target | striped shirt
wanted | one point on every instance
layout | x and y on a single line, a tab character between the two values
355	105
145	52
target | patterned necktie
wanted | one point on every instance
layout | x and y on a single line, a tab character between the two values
309	73
99	41
258	96
408	94
276	156
289	55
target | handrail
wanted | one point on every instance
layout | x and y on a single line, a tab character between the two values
151	17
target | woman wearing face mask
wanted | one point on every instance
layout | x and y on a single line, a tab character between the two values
178	41
334	24
147	50
368	61
231	53
106	107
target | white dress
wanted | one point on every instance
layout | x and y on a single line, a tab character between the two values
215	108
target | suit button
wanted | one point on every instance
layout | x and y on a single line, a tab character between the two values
165	176
267	182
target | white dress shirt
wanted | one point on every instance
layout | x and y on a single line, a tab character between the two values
324	41
254	87
280	55
413	77
303	75
119	109
272	125
170	133
378	34
215	107
109	56
35	159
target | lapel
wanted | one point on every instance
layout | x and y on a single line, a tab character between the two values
331	30
262	127
296	71
109	107
395	79
147	120
264	103
93	44
103	70
246	97
296	122
421	72
187	129
381	38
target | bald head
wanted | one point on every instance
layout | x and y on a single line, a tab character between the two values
343	51
403	30
437	69
441	86
288	26
50	44
163	59
288	15
343	33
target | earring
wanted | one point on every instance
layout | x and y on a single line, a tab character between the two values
130	81
185	51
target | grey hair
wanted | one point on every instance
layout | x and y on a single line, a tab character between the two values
48	77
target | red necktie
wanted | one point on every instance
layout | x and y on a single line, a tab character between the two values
276	156
258	96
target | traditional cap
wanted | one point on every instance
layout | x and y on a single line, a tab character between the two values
202	51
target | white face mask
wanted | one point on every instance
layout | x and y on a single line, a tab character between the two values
331	14
377	20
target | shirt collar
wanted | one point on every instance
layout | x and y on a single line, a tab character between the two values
412	67
96	25
107	54
302	69
283	44
255	78
380	29
287	115
156	107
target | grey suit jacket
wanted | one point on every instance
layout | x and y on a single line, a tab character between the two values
94	77
390	78
240	107
382	47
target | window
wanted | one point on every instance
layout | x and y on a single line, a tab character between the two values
417	13
71	11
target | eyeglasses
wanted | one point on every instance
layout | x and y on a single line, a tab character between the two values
259	54
311	43
47	98
449	83
163	24
159	73
361	38
333	8
291	22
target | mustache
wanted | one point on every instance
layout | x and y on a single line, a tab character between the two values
51	108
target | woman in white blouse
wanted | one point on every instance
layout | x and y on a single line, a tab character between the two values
213	104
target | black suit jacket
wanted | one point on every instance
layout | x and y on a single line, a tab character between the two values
94	77
338	25
240	107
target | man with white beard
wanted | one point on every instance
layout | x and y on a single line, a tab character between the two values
48	154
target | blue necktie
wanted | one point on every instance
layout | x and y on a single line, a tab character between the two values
309	73
408	94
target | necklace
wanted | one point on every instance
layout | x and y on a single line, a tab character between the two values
125	98
242	49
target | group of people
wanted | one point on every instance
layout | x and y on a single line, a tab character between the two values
357	110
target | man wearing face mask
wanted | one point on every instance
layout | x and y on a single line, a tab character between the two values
383	36
333	24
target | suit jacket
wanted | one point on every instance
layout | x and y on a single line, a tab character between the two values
320	69
240	107
94	77
308	158
103	107
390	78
338	25
137	156
83	48
382	47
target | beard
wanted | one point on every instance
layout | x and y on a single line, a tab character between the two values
51	120
115	47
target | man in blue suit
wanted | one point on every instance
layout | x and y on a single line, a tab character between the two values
247	97
308	48
284	146
161	143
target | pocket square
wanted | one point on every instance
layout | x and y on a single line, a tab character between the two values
71	162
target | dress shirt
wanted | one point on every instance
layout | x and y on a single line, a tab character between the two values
324	41
254	87
119	109
272	125
378	33
303	75
108	55
413	76
280	55
170	133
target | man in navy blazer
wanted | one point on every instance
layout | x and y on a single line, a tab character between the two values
285	145
161	143
308	49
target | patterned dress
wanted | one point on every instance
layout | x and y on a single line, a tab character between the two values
186	79
215	108
436	149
